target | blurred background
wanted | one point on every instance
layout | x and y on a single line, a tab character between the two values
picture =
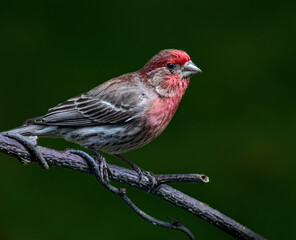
236	122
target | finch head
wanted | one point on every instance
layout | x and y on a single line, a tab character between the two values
169	72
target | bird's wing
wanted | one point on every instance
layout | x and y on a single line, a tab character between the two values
110	103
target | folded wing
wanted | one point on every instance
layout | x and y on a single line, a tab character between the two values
110	103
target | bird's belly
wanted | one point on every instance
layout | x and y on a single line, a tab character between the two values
110	138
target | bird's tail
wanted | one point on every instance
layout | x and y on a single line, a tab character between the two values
29	130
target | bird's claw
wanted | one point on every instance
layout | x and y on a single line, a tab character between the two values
97	164
103	168
30	143
149	175
141	172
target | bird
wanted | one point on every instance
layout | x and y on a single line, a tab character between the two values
123	113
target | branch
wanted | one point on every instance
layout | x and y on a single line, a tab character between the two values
129	177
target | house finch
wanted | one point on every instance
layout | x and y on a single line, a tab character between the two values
123	113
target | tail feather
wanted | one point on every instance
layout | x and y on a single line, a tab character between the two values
30	130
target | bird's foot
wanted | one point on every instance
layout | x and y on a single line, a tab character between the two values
141	172
103	166
30	144
149	175
97	164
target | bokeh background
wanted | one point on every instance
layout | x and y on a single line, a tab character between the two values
236	122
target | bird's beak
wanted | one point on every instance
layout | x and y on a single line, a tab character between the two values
189	69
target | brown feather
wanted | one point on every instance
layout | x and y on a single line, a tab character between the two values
104	104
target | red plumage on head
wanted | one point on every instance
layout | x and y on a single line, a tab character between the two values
166	56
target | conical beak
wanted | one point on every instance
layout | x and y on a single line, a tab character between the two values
189	69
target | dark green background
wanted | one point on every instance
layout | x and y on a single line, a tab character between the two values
236	122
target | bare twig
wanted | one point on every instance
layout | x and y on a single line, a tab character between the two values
121	192
129	177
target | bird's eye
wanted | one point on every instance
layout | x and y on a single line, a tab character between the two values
170	65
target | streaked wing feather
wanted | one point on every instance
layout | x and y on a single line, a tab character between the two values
103	106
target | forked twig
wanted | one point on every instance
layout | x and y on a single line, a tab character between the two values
129	177
121	192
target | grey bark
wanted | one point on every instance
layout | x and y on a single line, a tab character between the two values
129	177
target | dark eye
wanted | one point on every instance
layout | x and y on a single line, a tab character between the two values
170	65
